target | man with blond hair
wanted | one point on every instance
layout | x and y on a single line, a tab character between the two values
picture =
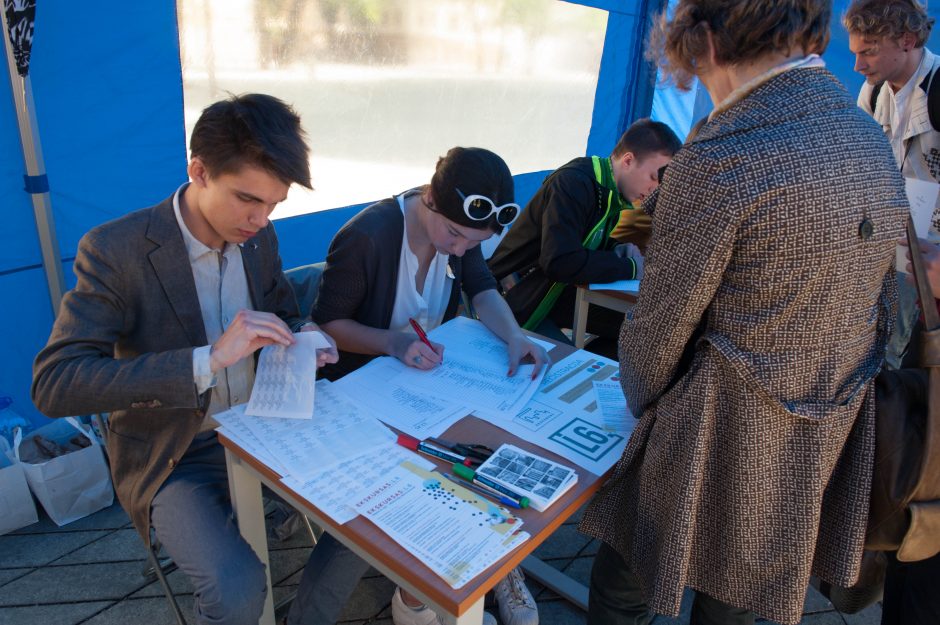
888	39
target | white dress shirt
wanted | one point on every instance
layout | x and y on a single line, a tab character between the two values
222	288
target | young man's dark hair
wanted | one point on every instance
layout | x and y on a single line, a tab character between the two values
645	137
252	129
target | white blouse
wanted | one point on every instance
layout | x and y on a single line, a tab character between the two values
428	306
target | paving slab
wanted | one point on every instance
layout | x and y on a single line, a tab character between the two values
372	599
8	575
286	563
80	582
558	612
67	614
111	517
143	612
816	602
869	616
578	569
565	542
120	545
179	583
26	550
820	618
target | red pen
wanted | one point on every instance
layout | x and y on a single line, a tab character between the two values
422	335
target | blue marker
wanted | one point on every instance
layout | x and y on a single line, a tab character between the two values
506	501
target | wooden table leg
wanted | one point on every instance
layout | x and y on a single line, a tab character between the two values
245	490
579	323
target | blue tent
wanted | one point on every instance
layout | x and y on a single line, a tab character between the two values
109	108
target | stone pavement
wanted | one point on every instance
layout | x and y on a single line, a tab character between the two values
89	572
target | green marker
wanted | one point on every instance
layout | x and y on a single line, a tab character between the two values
472	476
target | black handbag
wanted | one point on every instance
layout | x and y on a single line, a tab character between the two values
904	512
905	498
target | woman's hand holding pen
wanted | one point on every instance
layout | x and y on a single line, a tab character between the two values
414	353
520	349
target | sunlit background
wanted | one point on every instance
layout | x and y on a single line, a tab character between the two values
385	87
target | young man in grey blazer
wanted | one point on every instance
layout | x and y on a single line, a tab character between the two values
170	305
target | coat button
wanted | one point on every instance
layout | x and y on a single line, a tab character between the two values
200	413
866	229
172	463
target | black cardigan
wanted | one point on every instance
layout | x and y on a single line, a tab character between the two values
361	276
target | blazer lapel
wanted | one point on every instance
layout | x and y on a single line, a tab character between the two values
170	262
252	263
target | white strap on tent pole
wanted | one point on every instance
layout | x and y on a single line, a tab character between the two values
22	90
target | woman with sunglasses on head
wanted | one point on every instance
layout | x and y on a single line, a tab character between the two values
409	257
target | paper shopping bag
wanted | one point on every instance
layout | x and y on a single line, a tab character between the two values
16	504
71	485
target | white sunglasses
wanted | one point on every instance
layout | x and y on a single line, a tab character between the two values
480	207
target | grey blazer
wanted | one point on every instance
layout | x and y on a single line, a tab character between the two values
123	343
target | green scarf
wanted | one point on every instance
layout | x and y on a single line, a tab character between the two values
595	239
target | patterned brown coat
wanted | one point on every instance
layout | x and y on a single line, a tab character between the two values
748	359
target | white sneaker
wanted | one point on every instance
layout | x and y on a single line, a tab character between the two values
403	614
516	604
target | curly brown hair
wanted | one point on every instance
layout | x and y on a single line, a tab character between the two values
742	31
888	18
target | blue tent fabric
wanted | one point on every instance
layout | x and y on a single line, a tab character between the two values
108	96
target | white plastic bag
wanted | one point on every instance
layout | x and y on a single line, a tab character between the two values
16	504
73	485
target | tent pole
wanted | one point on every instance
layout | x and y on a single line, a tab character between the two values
22	90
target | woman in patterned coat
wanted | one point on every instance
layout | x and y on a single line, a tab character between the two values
760	326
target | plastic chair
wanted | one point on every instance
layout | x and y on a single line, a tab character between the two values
305	280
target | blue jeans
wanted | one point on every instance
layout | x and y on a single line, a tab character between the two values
616	598
192	517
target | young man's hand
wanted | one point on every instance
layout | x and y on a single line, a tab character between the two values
249	331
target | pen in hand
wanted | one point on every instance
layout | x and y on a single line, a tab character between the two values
423	336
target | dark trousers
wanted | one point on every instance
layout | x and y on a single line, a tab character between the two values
616	598
912	592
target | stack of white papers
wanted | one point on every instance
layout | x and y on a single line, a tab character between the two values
420	511
472	378
564	416
284	381
326	459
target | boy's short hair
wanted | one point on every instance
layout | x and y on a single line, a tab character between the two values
252	129
888	18
645	137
